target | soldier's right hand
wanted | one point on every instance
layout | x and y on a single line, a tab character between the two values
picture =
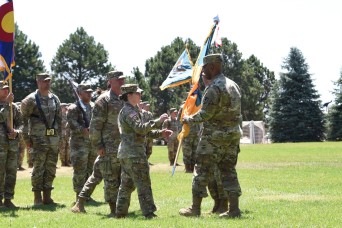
101	152
163	117
166	133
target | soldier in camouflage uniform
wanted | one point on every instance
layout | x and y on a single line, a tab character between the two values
64	146
81	153
189	145
22	147
146	116
172	144
132	153
220	138
105	139
42	130
9	140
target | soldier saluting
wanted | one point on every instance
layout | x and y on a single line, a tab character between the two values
42	130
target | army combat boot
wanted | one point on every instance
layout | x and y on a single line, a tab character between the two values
8	203
47	197
216	206
223	206
79	206
234	211
194	210
112	209
1	204
188	168
37	198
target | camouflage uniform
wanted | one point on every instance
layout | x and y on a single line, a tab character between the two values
8	151
219	141
21	153
104	134
218	147
81	153
64	146
44	149
189	146
145	117
172	144
132	156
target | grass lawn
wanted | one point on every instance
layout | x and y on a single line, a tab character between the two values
284	185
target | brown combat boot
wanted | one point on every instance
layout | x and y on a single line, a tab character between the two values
194	210
1	204
234	211
216	206
188	168
112	209
223	206
47	197
79	206
8	203
37	198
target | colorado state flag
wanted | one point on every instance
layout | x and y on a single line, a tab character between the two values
181	72
6	37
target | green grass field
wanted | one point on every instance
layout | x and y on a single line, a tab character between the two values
284	185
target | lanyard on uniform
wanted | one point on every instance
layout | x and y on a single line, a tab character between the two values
41	112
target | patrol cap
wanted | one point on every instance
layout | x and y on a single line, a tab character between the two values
173	110
43	76
84	88
130	88
3	85
115	75
212	58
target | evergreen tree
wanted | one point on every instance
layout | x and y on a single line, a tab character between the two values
335	114
254	80
28	64
81	59
295	115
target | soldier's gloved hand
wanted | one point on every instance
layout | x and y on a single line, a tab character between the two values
166	133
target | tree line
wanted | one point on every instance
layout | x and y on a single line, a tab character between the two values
290	106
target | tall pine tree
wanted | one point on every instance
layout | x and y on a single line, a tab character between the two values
28	64
295	114
335	114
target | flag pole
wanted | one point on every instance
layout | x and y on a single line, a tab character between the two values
176	158
10	104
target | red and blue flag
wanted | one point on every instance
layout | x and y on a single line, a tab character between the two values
7	28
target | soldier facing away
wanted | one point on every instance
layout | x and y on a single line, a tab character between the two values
42	130
81	153
9	141
132	153
172	143
220	138
64	146
105	139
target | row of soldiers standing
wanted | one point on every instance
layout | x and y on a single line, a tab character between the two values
121	161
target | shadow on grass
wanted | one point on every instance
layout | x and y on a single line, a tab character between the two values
52	207
131	215
94	203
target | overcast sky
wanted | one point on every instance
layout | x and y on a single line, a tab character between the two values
133	31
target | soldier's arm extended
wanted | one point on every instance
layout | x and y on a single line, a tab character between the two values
27	106
72	117
98	119
210	105
134	122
